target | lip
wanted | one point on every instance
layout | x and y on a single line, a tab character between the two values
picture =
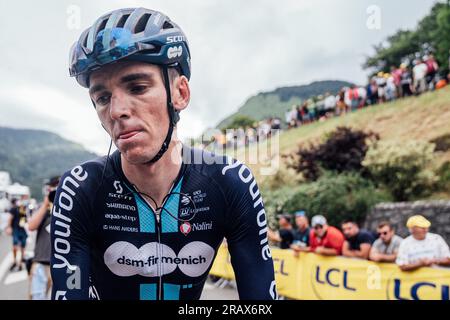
127	134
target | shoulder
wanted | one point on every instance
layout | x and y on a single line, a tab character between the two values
366	235
378	242
229	173
85	177
407	241
335	232
435	237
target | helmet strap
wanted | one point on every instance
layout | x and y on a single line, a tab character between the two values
173	117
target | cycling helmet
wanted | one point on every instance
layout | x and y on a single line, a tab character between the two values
133	34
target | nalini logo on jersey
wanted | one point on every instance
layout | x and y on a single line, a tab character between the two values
185	228
155	259
174	52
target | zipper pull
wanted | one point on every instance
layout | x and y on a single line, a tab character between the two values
158	214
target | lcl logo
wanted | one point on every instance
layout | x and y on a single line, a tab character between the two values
418	290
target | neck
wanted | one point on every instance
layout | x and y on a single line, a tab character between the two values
155	179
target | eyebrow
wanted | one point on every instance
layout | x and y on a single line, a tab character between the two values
125	79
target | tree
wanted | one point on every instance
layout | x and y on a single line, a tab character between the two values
241	121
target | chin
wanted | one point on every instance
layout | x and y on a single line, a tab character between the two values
137	155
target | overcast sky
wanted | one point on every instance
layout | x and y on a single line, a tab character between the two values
239	48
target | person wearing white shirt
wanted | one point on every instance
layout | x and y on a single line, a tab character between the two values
422	248
419	72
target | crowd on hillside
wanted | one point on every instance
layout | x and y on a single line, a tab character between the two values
402	81
420	249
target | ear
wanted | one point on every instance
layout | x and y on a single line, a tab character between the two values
181	93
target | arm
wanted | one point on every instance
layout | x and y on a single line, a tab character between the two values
70	256
36	219
363	252
415	265
326	251
273	235
251	257
376	256
445	262
8	229
346	252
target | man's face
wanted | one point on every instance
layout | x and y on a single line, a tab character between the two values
385	234
350	229
319	230
130	100
301	222
283	222
418	233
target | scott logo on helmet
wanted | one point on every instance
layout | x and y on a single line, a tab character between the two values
173	39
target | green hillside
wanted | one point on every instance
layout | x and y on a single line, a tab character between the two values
415	118
275	103
31	156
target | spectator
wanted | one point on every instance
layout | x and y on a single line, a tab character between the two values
362	97
330	102
16	228
325	239
406	81
299	115
293	123
381	84
397	76
285	236
287	117
358	242
340	103
301	234
312	112
40	279
305	113
385	248
419	74
391	88
372	92
432	69
422	248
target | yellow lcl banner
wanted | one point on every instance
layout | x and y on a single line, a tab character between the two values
311	276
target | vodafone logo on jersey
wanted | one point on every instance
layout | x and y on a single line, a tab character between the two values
155	259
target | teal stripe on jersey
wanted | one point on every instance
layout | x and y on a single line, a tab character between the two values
147	291
168	223
171	291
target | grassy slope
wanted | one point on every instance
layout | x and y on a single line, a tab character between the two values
419	118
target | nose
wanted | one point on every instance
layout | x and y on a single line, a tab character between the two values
119	107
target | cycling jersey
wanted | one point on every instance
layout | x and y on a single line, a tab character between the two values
108	243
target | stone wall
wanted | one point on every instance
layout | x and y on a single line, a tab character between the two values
437	211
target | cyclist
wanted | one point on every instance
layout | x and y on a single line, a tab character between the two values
146	222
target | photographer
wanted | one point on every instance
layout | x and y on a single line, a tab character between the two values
40	280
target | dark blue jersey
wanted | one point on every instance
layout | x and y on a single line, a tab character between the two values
109	243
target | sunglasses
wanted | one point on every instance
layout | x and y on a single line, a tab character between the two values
319	226
383	233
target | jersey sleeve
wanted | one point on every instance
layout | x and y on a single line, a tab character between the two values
247	234
70	234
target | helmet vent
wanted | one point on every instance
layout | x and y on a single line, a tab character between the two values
122	21
167	25
102	25
142	23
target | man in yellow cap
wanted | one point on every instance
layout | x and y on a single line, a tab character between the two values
422	248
